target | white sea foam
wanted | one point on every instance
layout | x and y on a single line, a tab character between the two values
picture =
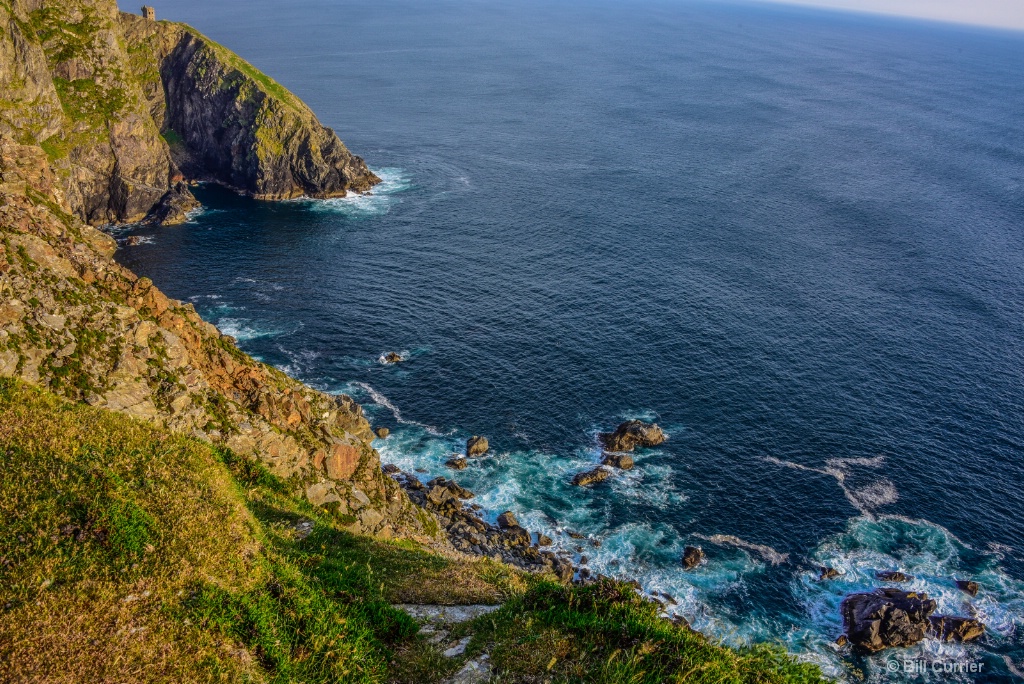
865	499
766	552
374	203
242	329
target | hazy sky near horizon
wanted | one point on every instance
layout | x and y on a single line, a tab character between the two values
1007	14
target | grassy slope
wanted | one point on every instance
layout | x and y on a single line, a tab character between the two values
131	554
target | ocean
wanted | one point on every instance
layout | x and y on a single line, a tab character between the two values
792	238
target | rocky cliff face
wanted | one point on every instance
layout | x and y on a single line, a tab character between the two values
231	124
104	93
75	321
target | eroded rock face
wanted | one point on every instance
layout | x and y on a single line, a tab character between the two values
85	327
618	460
957	629
968	587
632	434
887	618
174	207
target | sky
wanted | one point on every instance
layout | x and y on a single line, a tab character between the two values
1008	14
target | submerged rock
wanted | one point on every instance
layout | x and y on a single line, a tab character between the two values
590	477
886	618
968	587
692	556
620	461
894	576
476	446
632	434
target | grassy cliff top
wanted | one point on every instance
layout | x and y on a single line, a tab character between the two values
128	553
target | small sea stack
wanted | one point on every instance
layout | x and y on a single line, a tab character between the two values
692	556
632	434
476	446
393	357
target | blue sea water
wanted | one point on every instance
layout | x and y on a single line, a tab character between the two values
793	238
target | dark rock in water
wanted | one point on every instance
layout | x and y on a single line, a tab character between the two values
958	629
827	573
575	535
584	560
476	446
457	463
692	556
842	641
390	469
543	540
383	432
894	576
631	434
620	461
886	618
133	241
968	587
590	477
173	207
507	520
584	573
393	357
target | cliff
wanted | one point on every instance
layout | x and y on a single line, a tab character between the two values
76	322
126	108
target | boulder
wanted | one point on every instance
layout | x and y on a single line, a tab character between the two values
827	573
457	463
383	432
476	446
544	540
692	556
958	629
393	357
390	469
968	587
590	477
631	434
886	618
507	520
894	576
617	460
842	641
439	494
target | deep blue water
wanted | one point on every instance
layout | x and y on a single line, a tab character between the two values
795	239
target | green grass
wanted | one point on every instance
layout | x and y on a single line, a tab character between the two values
131	554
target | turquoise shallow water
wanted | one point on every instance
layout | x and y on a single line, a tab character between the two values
793	238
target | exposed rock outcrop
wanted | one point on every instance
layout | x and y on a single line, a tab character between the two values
632	434
174	207
476	446
618	460
894	576
888	618
692	556
589	477
968	587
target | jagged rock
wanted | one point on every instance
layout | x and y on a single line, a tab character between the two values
590	477
968	587
544	540
390	469
886	618
828	574
958	629
174	206
439	494
457	463
507	520
692	556
476	446
894	576
382	432
631	434
842	640
618	460
393	357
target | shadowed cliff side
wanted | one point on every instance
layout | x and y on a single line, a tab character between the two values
229	123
